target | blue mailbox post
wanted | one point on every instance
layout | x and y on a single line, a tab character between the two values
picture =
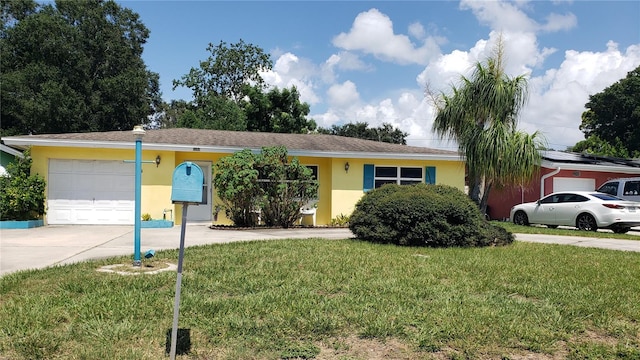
186	188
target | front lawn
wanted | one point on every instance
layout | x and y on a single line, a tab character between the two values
325	299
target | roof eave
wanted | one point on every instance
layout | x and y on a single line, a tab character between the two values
25	142
12	151
590	167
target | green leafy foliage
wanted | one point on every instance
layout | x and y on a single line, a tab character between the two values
236	183
423	215
268	184
385	133
286	186
481	114
230	94
226	71
217	113
23	194
597	146
73	67
278	111
341	220
614	114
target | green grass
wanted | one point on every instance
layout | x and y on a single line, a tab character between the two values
296	299
565	231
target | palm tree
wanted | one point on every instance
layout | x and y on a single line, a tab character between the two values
481	115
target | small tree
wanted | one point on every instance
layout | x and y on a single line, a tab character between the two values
236	182
247	183
286	186
22	196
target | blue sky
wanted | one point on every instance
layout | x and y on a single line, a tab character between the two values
371	60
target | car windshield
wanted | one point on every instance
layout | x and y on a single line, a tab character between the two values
606	197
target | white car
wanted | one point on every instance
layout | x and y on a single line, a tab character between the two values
586	210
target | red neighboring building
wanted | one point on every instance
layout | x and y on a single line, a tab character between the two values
561	171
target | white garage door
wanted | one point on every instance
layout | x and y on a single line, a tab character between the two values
573	184
90	192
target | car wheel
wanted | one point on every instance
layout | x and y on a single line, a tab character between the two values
552	226
520	218
621	230
586	222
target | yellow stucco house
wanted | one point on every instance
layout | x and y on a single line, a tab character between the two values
90	176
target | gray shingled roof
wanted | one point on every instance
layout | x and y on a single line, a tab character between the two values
237	139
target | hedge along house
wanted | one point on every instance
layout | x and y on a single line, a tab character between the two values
8	155
90	176
561	171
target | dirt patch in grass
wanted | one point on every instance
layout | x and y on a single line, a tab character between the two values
148	267
354	348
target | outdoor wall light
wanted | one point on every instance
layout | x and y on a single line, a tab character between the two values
346	167
157	160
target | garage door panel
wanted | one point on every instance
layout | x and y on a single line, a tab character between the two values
112	216
64	166
80	196
573	184
90	192
123	184
119	196
60	182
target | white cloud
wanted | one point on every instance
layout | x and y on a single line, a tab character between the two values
289	70
500	15
557	22
342	61
343	95
509	16
521	54
557	98
372	33
417	30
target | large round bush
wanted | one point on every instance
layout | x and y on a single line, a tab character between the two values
423	215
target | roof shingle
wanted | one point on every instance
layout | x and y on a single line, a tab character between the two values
242	140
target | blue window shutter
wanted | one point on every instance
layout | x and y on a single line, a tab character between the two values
368	183
430	175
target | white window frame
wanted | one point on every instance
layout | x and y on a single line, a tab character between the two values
398	179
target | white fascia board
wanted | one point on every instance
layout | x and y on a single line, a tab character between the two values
12	151
25	142
591	167
374	155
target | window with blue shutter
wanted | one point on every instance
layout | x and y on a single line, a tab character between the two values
368	177
376	176
430	175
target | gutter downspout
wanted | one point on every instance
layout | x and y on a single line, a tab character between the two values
546	176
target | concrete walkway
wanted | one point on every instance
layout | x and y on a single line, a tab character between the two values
56	244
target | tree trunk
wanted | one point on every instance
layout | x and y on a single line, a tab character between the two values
485	198
475	183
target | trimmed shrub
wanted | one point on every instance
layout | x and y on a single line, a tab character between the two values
423	215
22	194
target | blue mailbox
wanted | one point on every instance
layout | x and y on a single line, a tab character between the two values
187	184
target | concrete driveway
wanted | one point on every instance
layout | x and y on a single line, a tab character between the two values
35	248
57	244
